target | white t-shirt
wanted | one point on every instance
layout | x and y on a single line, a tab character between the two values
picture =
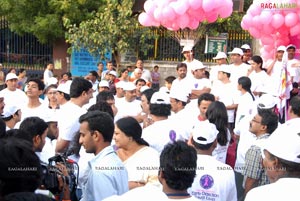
126	108
238	71
143	166
189	65
260	82
227	94
17	97
214	180
183	85
245	107
276	77
294	71
220	152
213	73
161	133
199	84
47	74
282	189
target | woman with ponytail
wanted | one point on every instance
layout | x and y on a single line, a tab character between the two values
140	160
245	101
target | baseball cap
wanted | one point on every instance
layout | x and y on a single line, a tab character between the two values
129	86
266	101
246	47
143	88
51	117
52	80
281	48
112	72
290	46
11	76
220	55
120	84
65	87
237	50
225	68
103	83
179	95
187	48
204	132
285	143
196	65
9	110
160	98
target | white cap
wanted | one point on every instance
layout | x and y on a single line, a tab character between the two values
11	76
143	88
160	98
51	117
285	143
129	86
164	89
246	47
291	46
65	87
187	48
266	101
9	110
204	132
103	83
112	72
196	65
52	80
179	95
237	50
220	55
281	48
120	84
225	68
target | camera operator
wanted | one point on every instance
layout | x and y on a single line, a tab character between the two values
34	130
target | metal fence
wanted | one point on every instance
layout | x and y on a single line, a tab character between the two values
167	48
22	51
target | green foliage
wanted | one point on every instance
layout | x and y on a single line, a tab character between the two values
112	27
43	18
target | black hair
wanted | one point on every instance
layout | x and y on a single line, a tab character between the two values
245	82
21	70
217	114
257	59
66	96
178	163
78	86
269	119
68	74
32	126
2	128
103	107
206	97
148	94
180	65
170	79
123	70
20	166
103	96
39	82
295	105
140	80
161	110
26	196
131	128
10	117
101	122
290	167
51	86
94	73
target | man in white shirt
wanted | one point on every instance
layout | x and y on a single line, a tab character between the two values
48	73
238	68
294	71
182	82
214	180
11	116
187	52
221	59
146	75
12	94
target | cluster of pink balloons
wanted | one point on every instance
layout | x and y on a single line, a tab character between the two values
274	23
180	14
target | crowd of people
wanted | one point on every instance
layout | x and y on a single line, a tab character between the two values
230	135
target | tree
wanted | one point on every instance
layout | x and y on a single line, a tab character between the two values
44	18
113	28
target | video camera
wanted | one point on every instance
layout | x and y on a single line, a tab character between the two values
50	173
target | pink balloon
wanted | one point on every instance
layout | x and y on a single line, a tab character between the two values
200	16
291	19
208	5
254	32
277	21
149	6
247	20
212	17
295	30
183	21
254	10
193	24
244	26
180	7
267	40
195	4
144	19
267	29
157	14
168	13
265	17
226	12
257	22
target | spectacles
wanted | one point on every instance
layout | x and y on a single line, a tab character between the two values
253	120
